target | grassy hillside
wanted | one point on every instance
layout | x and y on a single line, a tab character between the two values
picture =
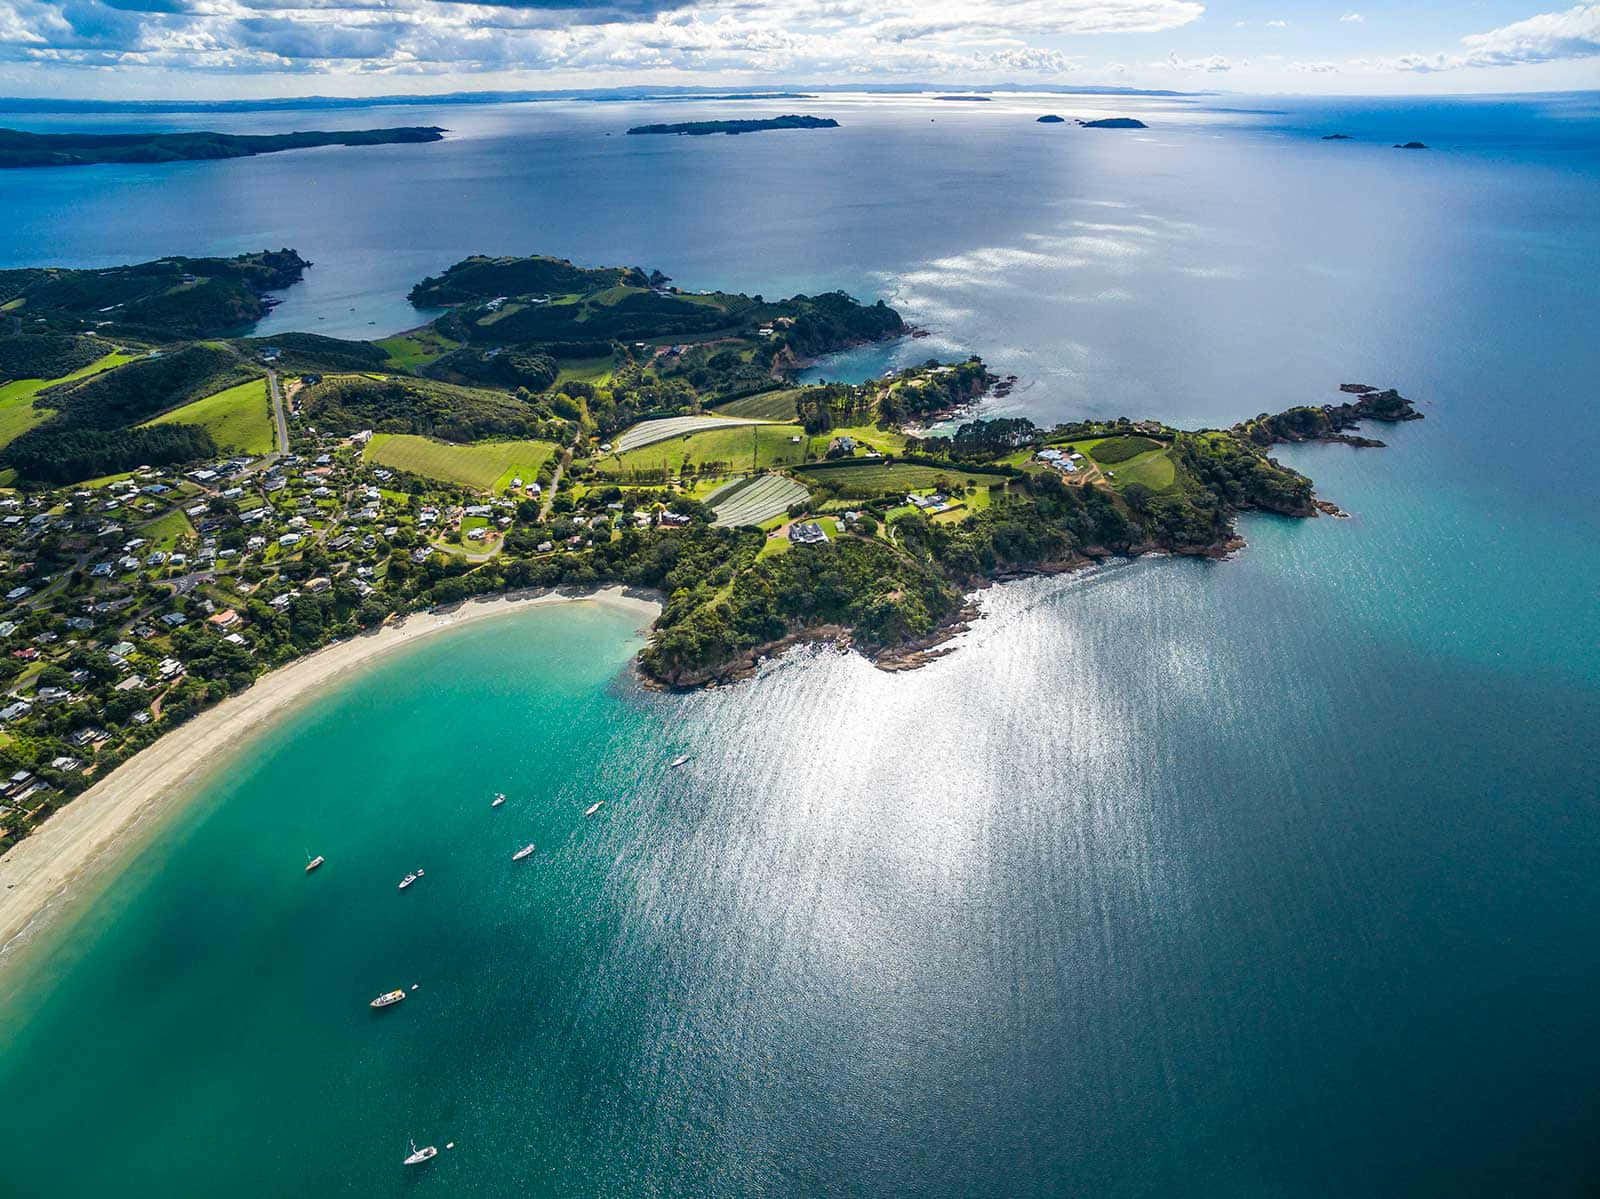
881	478
350	403
238	419
17	413
484	465
483	278
769	405
143	389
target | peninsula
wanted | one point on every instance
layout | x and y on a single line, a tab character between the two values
703	128
19	149
184	509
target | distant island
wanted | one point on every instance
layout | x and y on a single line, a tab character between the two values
967	99
1052	119
1410	146
1114	123
1335	137
703	128
19	149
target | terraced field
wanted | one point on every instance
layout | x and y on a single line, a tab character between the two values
752	501
649	432
731	447
483	465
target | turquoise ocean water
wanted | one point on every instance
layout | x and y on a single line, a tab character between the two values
1265	877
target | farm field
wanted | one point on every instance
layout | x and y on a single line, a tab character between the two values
894	477
768	405
584	370
481	465
752	501
411	351
17	413
238	419
745	445
651	431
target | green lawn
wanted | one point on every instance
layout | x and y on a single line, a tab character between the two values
410	351
584	370
734	447
165	531
482	465
769	405
898	477
17	413
1153	468
238	419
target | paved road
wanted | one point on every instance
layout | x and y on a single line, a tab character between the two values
555	483
278	417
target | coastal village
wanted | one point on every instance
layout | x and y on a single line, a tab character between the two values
335	500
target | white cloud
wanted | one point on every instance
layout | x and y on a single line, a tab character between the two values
1548	37
1352	18
877	37
1545	38
1277	24
1214	64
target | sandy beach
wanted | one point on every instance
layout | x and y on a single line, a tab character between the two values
41	874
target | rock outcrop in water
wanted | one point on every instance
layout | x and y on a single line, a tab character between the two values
1410	146
1052	119
1331	422
1114	123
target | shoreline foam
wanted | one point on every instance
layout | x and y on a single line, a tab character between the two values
40	875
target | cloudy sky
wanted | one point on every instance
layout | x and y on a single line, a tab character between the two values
248	48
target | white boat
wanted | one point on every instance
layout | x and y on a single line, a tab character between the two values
523	852
314	863
409	879
417	1156
595	807
387	998
499	798
679	760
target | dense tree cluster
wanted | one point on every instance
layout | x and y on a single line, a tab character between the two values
47	355
60	453
350	403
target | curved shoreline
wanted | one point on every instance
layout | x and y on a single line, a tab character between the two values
85	835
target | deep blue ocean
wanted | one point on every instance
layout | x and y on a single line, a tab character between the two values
1273	876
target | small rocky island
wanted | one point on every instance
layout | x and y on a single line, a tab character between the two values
1410	146
19	149
1114	123
704	128
1052	119
1336	137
